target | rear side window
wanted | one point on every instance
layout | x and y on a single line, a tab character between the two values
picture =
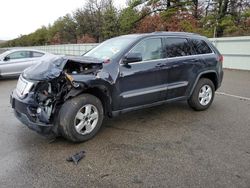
37	54
176	47
201	46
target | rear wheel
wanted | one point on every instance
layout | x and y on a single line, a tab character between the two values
81	118
203	95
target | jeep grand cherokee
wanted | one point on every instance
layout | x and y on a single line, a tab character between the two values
69	96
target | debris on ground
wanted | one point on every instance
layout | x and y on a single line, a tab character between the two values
52	140
104	175
76	157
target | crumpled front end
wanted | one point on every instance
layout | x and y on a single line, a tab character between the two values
43	88
24	111
36	106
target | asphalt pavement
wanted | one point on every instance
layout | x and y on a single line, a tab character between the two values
165	146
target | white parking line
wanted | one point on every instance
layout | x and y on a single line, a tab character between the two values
235	96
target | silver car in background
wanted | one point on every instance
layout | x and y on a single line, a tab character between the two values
13	62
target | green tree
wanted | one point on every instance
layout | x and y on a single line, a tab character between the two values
64	29
110	26
127	19
89	19
99	20
39	37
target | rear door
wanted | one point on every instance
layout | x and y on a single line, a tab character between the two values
182	62
143	82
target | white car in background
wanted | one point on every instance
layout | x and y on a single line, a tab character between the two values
13	62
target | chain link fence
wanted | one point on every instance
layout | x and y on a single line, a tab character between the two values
63	49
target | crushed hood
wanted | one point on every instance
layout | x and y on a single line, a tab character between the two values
84	59
52	67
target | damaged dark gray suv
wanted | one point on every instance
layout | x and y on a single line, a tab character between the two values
70	96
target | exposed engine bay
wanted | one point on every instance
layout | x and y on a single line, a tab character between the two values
72	67
51	93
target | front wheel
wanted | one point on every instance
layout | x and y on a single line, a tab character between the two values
203	95
81	118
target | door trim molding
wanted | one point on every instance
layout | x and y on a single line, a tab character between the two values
153	89
117	112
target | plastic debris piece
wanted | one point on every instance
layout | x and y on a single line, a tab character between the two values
76	157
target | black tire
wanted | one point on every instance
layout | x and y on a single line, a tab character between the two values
194	101
68	114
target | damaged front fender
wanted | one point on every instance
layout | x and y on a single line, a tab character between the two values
60	78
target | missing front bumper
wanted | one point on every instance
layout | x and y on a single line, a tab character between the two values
43	129
22	113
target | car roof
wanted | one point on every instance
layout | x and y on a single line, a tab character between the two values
7	52
164	33
25	49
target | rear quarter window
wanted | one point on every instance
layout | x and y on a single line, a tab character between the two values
37	54
201	47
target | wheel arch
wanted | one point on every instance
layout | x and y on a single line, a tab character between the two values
211	74
102	93
99	91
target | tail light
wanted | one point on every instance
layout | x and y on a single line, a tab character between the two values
221	58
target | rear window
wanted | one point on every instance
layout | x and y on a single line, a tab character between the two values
176	47
201	46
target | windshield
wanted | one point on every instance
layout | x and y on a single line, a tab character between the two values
110	48
2	55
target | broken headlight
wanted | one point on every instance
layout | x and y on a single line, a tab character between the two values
23	87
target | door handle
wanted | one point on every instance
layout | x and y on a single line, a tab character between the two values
194	60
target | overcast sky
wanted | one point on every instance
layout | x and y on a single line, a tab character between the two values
25	16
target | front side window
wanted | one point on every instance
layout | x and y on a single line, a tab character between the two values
149	49
177	47
201	46
19	55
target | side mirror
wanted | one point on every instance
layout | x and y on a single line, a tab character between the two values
6	58
132	57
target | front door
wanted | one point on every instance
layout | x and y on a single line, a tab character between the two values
143	82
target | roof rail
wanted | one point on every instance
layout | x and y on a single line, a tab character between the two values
172	32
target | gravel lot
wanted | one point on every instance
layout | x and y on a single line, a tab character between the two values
164	146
